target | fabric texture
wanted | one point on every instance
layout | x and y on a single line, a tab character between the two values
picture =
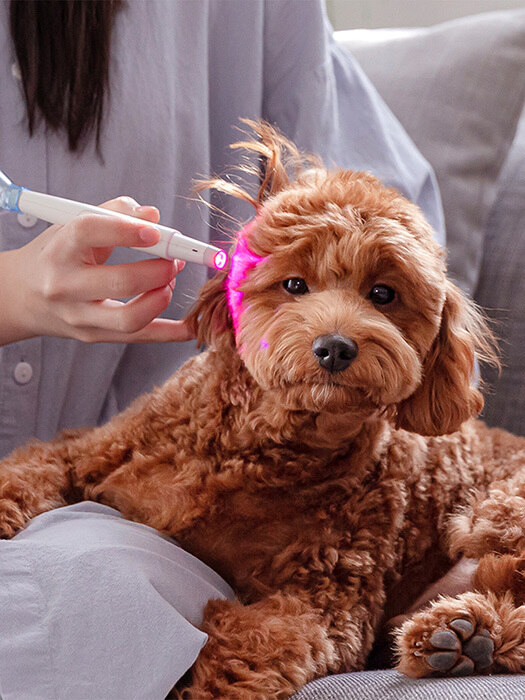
96	607
390	685
182	74
501	291
458	89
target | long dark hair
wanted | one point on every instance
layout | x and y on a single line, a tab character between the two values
63	51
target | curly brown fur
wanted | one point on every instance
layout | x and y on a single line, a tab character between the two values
324	497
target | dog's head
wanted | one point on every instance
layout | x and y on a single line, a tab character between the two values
337	299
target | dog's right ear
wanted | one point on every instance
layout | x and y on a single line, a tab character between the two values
447	396
210	317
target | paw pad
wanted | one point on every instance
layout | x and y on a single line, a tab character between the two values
458	650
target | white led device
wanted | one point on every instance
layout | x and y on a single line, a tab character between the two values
57	210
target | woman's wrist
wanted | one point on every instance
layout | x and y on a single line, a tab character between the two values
14	324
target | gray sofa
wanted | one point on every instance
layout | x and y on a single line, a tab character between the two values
458	89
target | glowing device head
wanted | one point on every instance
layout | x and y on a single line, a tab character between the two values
220	260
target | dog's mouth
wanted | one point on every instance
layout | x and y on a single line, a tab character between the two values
329	381
328	394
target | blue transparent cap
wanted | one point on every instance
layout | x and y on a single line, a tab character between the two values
9	194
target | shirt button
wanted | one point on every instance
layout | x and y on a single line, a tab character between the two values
23	373
15	71
26	220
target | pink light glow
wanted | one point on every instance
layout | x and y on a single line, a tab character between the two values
220	259
242	261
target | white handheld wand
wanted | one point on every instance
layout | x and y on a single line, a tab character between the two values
57	210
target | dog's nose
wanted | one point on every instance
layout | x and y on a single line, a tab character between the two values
334	352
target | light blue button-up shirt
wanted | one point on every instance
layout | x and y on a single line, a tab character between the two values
182	74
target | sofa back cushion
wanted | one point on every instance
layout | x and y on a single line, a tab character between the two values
458	89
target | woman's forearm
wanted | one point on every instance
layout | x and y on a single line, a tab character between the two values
14	321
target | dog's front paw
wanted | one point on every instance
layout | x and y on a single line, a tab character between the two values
11	518
454	637
456	650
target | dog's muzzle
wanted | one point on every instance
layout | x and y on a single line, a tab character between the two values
334	352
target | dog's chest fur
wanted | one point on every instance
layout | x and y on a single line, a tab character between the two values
270	531
271	511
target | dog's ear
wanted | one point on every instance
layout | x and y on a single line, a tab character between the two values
273	157
209	317
446	396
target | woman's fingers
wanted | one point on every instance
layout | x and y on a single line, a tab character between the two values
68	292
163	330
126	317
128	205
456	581
160	330
133	321
93	236
97	282
88	231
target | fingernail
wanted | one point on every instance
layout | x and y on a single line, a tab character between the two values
145	207
171	283
149	235
180	264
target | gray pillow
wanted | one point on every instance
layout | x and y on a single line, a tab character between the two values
458	89
501	291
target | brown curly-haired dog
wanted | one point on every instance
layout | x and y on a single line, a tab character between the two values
314	453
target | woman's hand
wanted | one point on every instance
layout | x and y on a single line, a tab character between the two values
456	581
58	285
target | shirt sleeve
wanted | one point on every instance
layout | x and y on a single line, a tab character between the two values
318	95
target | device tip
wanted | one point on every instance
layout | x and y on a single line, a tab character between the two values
220	259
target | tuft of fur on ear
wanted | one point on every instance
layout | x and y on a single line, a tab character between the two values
274	157
209	317
446	396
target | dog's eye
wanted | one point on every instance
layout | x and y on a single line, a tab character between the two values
295	285
381	295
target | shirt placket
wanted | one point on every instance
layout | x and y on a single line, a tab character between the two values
20	372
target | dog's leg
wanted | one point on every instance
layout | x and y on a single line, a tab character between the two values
33	479
477	632
269	649
45	475
492	522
